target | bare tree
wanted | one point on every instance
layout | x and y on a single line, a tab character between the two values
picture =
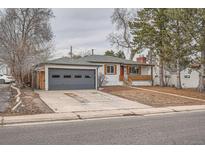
122	38
25	39
101	79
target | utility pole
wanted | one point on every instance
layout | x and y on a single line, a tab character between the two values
71	52
92	51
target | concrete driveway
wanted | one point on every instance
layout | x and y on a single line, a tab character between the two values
85	100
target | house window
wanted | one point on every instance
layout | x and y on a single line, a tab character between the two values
67	76
78	76
189	71
167	76
110	69
87	76
186	76
55	76
134	70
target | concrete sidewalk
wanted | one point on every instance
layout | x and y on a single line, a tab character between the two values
95	114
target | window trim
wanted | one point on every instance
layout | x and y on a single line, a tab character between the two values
187	76
138	72
110	73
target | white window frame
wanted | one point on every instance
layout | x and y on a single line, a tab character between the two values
110	73
137	70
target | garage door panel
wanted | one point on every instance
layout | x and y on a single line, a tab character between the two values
70	87
63	79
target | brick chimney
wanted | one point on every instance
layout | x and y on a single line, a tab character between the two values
141	59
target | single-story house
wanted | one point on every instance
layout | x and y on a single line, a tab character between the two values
90	72
189	77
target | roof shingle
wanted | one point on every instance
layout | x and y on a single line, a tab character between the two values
93	60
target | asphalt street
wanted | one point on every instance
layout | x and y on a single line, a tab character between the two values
178	128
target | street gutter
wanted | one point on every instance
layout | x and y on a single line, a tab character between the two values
7	120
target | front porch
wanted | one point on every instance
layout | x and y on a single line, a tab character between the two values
132	73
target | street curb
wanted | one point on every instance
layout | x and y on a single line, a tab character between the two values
5	120
187	108
38	118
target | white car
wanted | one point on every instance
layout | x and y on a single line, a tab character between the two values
6	78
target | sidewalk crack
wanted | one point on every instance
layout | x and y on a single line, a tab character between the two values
79	117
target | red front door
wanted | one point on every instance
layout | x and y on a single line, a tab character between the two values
121	73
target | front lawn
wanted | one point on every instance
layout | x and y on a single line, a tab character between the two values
184	92
31	104
157	99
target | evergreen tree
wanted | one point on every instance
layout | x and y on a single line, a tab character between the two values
180	49
120	54
109	53
149	31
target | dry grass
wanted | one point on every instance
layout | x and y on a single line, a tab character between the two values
184	92
31	104
156	99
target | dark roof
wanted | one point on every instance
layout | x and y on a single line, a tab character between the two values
69	61
109	59
92	60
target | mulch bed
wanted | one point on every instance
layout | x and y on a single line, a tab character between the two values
155	99
31	104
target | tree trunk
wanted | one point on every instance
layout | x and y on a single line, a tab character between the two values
161	73
18	75
152	75
162	51
132	56
179	85
201	86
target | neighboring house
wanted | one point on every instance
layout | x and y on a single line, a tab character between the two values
189	78
85	73
4	69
